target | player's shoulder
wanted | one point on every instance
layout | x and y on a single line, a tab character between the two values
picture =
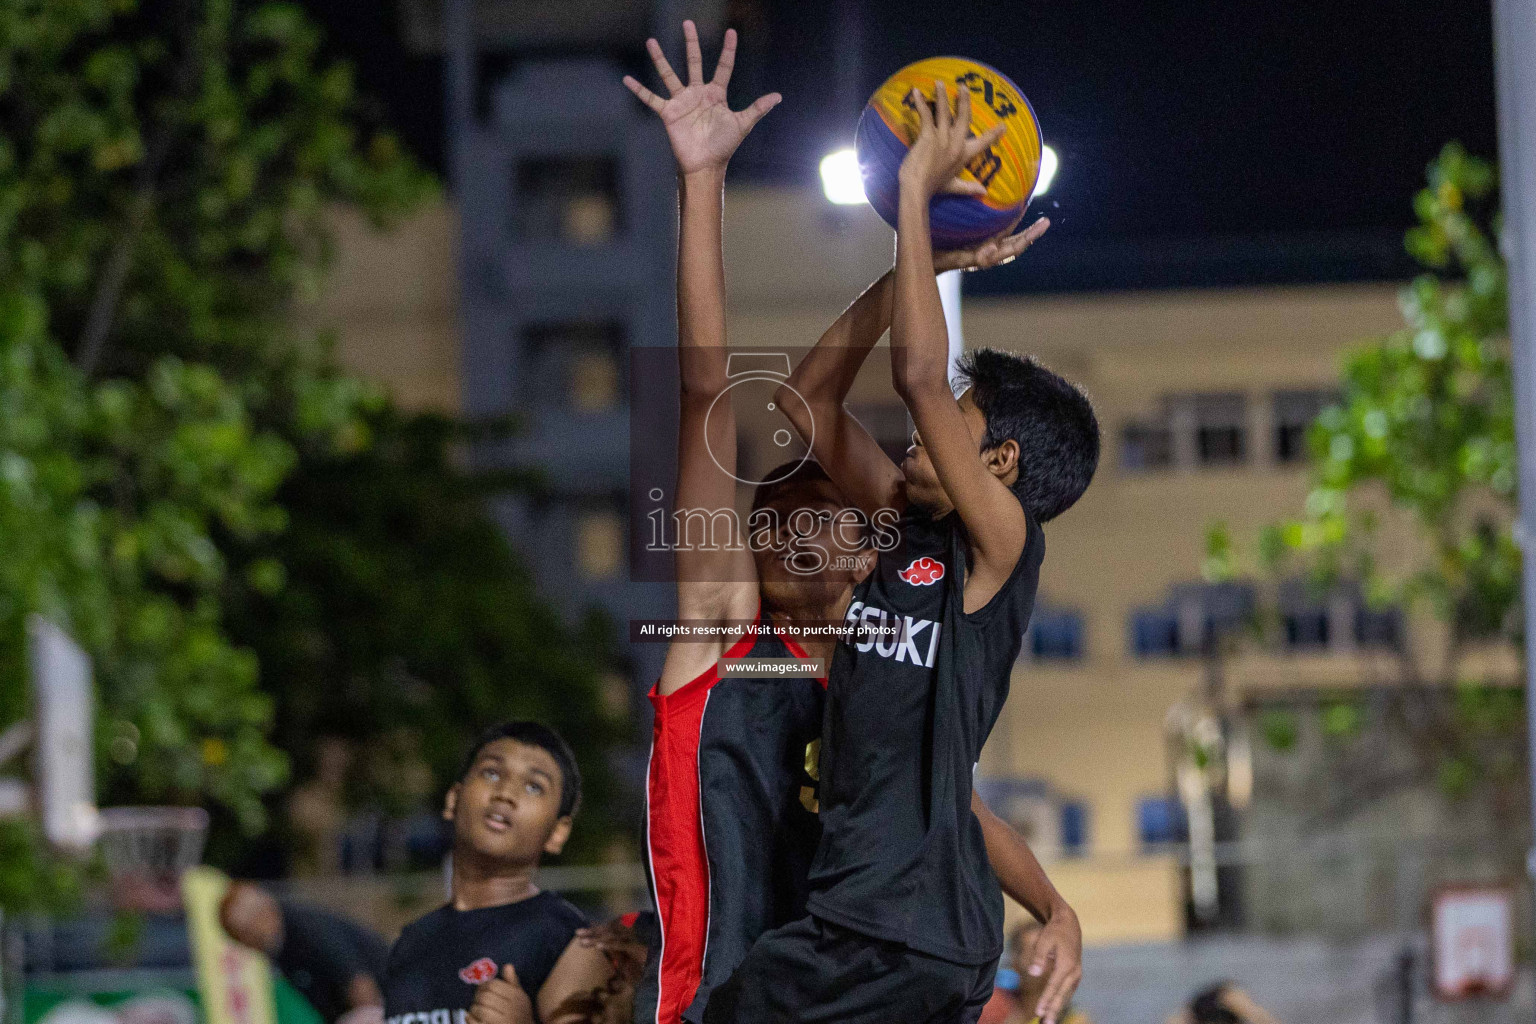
424	931
562	911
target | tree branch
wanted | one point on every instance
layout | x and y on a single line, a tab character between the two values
109	289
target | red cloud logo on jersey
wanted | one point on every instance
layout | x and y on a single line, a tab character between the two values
923	571
479	972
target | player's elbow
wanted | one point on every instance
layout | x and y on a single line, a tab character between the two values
922	381
788	399
701	373
701	387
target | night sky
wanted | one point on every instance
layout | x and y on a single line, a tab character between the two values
1239	121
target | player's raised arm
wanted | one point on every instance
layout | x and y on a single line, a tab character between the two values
862	472
852	458
716	575
993	517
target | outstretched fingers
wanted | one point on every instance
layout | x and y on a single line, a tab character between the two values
668	76
1062	971
645	95
962	110
758	110
924	115
1030	235
984	141
727	62
1006	248
695	55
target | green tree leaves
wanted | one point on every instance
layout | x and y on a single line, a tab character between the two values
253	546
164	168
1427	420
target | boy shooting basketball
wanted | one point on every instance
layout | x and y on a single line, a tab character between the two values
905	916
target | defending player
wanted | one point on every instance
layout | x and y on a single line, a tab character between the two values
729	839
500	951
905	921
730	826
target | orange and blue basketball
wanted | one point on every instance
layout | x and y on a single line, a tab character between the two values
1009	169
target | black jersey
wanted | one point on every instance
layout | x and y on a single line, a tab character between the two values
441	959
902	856
730	822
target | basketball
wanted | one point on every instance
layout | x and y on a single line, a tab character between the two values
1009	169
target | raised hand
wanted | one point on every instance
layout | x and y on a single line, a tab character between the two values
944	143
701	126
1001	248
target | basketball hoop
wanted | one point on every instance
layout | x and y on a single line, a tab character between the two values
145	850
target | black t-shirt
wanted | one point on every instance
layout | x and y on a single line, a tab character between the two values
441	959
902	857
321	954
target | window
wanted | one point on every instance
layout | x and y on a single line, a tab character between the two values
1221	429
574	365
1379	627
1295	411
1160	820
1146	446
573	199
1154	632
1074	828
1338	619
600	544
1055	635
1192	613
1305	628
1206	609
1304	618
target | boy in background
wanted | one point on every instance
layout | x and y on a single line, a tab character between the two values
501	951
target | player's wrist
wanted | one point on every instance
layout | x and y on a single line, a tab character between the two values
912	183
911	217
1059	911
706	176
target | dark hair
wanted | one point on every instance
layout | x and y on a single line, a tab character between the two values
1049	418
535	734
794	473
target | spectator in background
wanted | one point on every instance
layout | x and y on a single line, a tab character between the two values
1223	1003
317	809
334	963
1018	992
